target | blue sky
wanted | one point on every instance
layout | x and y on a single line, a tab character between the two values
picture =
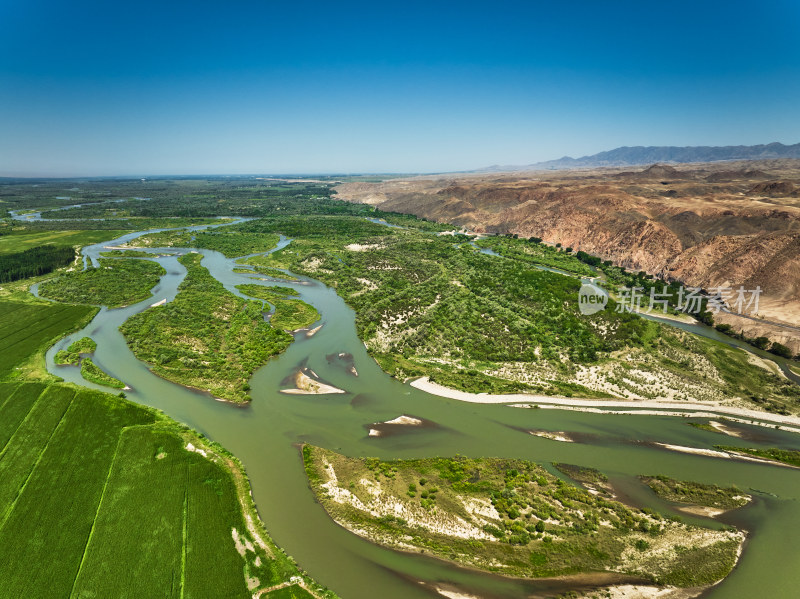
174	87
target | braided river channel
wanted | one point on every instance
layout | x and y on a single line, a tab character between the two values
265	435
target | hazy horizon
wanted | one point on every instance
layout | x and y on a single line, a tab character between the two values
91	89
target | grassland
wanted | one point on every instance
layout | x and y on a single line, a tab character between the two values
131	504
93	373
28	329
511	517
681	491
290	314
113	283
429	305
785	456
22	240
206	337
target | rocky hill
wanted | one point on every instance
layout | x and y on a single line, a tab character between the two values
705	225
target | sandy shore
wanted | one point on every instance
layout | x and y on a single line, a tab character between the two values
643	406
305	385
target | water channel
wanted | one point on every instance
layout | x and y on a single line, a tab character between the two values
265	435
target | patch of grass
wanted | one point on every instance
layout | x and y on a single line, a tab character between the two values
113	283
703	426
290	314
786	456
72	355
126	254
260	266
681	491
93	373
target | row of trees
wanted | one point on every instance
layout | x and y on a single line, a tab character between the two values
34	262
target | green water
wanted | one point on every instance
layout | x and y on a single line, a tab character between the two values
265	434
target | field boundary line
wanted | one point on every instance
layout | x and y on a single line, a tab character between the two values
97	511
27	415
7	397
185	532
21	490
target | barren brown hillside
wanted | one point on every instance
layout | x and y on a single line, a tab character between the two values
723	224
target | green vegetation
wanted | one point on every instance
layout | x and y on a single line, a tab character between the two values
785	456
259	264
28	329
704	426
34	262
93	373
126	254
136	467
206	337
435	306
531	252
17	241
72	354
229	243
113	283
290	314
695	493
512	516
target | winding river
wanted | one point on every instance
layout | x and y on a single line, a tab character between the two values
265	433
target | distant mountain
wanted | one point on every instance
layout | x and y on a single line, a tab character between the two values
630	156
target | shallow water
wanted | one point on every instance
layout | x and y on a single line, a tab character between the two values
264	435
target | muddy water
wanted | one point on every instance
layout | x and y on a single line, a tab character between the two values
265	434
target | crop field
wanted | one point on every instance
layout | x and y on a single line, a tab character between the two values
26	328
17	242
101	498
114	283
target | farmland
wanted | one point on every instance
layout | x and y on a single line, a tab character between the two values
27	329
23	240
82	470
207	337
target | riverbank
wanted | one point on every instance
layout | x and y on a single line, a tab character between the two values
612	406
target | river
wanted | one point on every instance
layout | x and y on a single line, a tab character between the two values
264	435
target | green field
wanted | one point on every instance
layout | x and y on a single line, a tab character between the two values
111	490
206	337
28	328
113	283
23	240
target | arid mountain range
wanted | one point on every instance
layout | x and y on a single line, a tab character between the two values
711	225
638	155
